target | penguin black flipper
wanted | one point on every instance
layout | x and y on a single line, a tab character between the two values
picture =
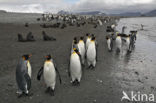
96	44
69	74
28	80
57	72
39	74
58	75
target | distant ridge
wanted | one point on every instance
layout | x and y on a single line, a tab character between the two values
63	12
92	13
151	13
3	11
82	13
128	14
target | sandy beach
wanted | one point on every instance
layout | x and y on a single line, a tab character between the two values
102	85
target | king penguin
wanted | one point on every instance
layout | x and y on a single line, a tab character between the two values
75	69
128	43
88	39
49	71
109	43
23	75
81	46
92	53
118	43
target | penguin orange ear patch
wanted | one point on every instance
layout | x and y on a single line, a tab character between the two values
74	48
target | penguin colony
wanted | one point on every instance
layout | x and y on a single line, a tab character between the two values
79	55
83	52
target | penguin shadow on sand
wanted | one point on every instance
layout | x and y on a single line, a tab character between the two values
29	37
127	57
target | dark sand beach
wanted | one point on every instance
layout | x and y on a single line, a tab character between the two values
102	85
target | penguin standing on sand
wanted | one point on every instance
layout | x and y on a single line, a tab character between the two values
81	46
49	73
109	43
23	75
118	43
88	39
92	53
128	43
75	69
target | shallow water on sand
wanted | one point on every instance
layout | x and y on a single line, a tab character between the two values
149	25
137	71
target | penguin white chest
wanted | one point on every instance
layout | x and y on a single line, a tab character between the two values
91	52
127	42
108	44
118	42
29	68
75	65
49	73
81	47
87	42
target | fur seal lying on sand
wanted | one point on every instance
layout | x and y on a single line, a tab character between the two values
47	38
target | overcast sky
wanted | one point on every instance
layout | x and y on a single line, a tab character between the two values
108	6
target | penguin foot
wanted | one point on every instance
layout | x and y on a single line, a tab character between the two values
24	95
76	83
29	94
51	92
110	50
91	67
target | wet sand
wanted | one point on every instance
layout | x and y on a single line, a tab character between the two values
113	73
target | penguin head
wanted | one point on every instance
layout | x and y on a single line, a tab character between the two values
87	34
92	35
93	39
48	57
75	42
107	37
26	56
75	39
81	38
118	34
76	50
